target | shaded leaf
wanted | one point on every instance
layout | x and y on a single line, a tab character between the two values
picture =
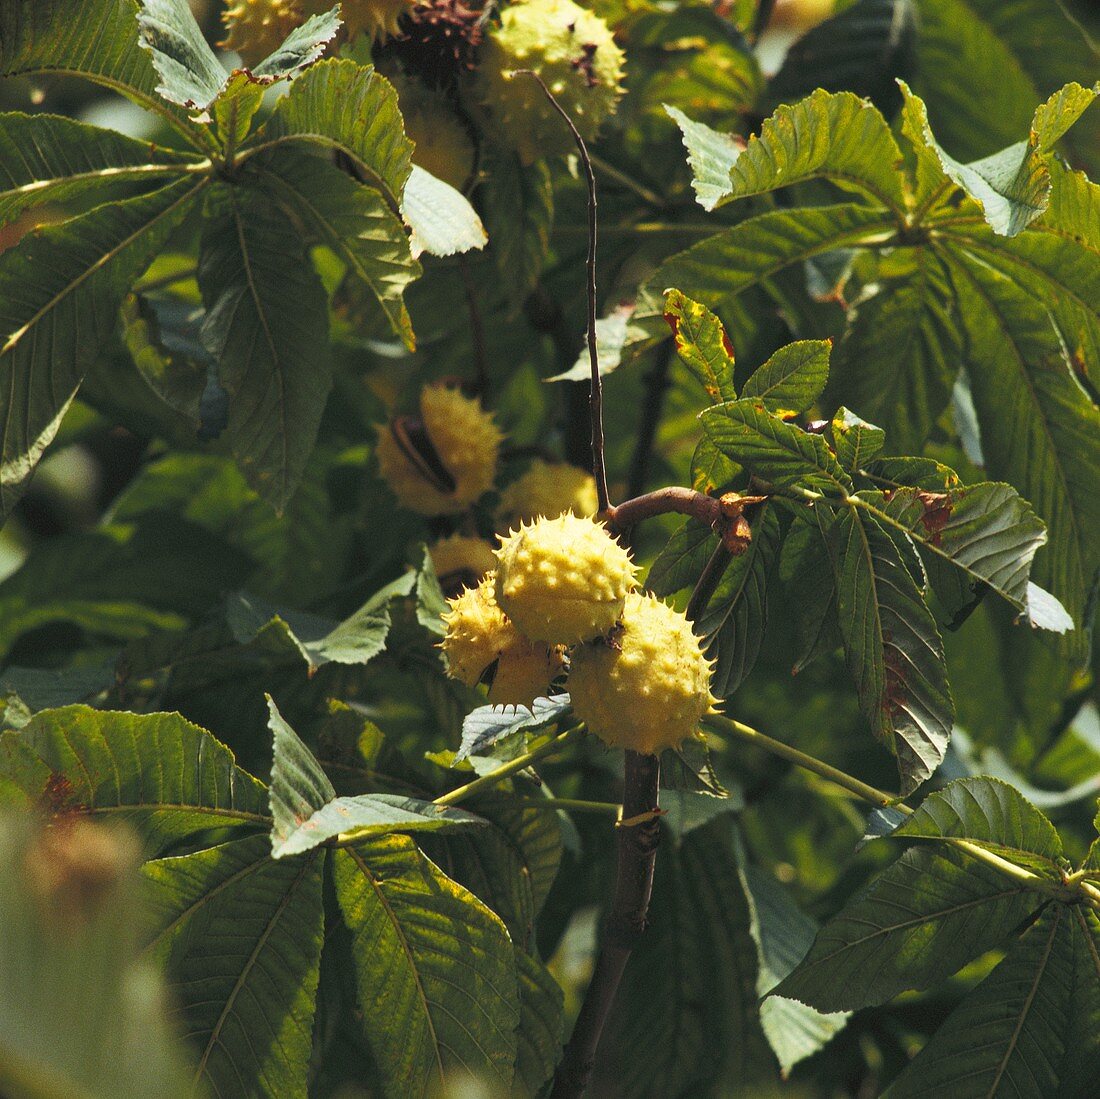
923	918
793	379
541	1025
165	777
240	936
448	967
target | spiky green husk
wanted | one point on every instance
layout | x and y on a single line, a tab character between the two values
649	686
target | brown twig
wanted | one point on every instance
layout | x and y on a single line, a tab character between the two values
625	923
684	501
595	400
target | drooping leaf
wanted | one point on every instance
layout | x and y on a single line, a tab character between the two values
682	559
783	934
993	815
483	727
189	72
162	775
894	650
240	935
686	1021
339	104
306	812
519	212
541	1026
266	325
923	918
737	614
351	219
50	159
702	344
101	45
774	450
60	289
446	962
80	1013
833	136
441	219
793	379
1030	1028
809	577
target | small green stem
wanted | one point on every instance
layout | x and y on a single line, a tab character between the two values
575	805
510	768
166	280
643	192
810	763
1063	891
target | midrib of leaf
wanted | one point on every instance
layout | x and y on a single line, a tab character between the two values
103	260
109	174
215	1034
261	312
178	807
1036	404
1090	941
204	899
1039	971
335	242
409	957
939	914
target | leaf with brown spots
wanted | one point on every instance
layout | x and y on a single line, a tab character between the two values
702	344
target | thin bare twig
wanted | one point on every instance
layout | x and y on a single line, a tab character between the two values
595	400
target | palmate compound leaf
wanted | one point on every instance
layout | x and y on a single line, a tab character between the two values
161	775
60	289
833	136
101	45
923	918
435	970
80	1013
894	651
266	324
306	812
1031	1029
240	936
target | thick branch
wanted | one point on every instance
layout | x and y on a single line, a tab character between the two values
685	501
627	920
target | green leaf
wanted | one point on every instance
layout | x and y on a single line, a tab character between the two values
440	217
235	106
165	777
783	934
190	74
80	1013
736	617
342	105
992	814
519	213
986	530
1030	1028
685	1021
353	221
894	650
119	581
702	344
46	158
1041	432
900	353
541	1025
100	45
923	918
856	441
793	379
483	727
304	45
240	936
60	289
982	74
266	325
772	449
682	559
808	576
446	962
838	137
306	812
